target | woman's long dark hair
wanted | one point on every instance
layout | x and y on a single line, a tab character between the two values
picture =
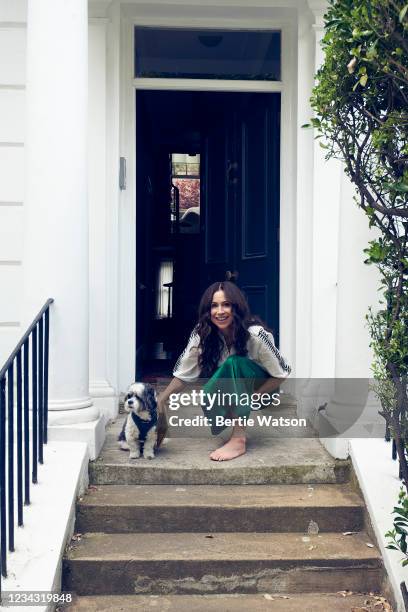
211	343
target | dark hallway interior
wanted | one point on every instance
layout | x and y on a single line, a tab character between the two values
207	194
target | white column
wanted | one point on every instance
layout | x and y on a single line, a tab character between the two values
304	214
101	390
357	289
326	199
353	410
322	225
56	241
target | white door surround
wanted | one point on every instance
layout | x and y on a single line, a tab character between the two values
236	18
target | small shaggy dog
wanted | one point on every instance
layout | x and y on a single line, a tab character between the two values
140	428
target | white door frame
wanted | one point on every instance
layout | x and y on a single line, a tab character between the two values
127	214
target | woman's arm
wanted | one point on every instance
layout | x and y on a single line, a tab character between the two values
174	386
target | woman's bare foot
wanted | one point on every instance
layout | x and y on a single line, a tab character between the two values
235	447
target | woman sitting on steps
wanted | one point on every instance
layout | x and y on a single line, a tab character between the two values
236	353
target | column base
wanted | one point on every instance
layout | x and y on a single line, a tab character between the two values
351	420
338	444
69	404
363	428
339	448
72	416
91	432
105	399
312	395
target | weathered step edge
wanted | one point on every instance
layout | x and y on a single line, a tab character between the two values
198	577
336	472
303	602
164	519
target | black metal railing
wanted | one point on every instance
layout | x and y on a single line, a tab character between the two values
394	453
23	376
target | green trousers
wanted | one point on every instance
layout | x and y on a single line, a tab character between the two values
232	385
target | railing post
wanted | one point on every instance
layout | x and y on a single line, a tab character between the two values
19	442
40	389
10	431
3	519
46	362
34	356
26	402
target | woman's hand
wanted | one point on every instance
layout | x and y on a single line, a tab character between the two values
175	386
162	404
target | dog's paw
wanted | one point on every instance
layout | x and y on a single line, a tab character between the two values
149	455
134	455
123	445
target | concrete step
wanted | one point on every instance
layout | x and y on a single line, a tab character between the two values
211	508
185	461
304	602
191	563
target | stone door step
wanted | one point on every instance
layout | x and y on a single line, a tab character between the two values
191	563
212	508
185	461
303	602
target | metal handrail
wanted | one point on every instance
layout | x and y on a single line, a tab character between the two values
15	375
46	306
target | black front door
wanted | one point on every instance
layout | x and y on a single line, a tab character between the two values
241	202
237	233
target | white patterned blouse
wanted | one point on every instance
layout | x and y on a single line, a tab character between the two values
261	348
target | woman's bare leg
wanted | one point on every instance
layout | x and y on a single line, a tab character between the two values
235	447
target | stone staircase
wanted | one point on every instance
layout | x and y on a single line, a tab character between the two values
187	534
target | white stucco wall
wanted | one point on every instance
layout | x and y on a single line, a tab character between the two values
320	257
357	288
12	94
13	14
322	253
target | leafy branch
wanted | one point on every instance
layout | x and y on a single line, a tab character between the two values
398	536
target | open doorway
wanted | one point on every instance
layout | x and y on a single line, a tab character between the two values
207	209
